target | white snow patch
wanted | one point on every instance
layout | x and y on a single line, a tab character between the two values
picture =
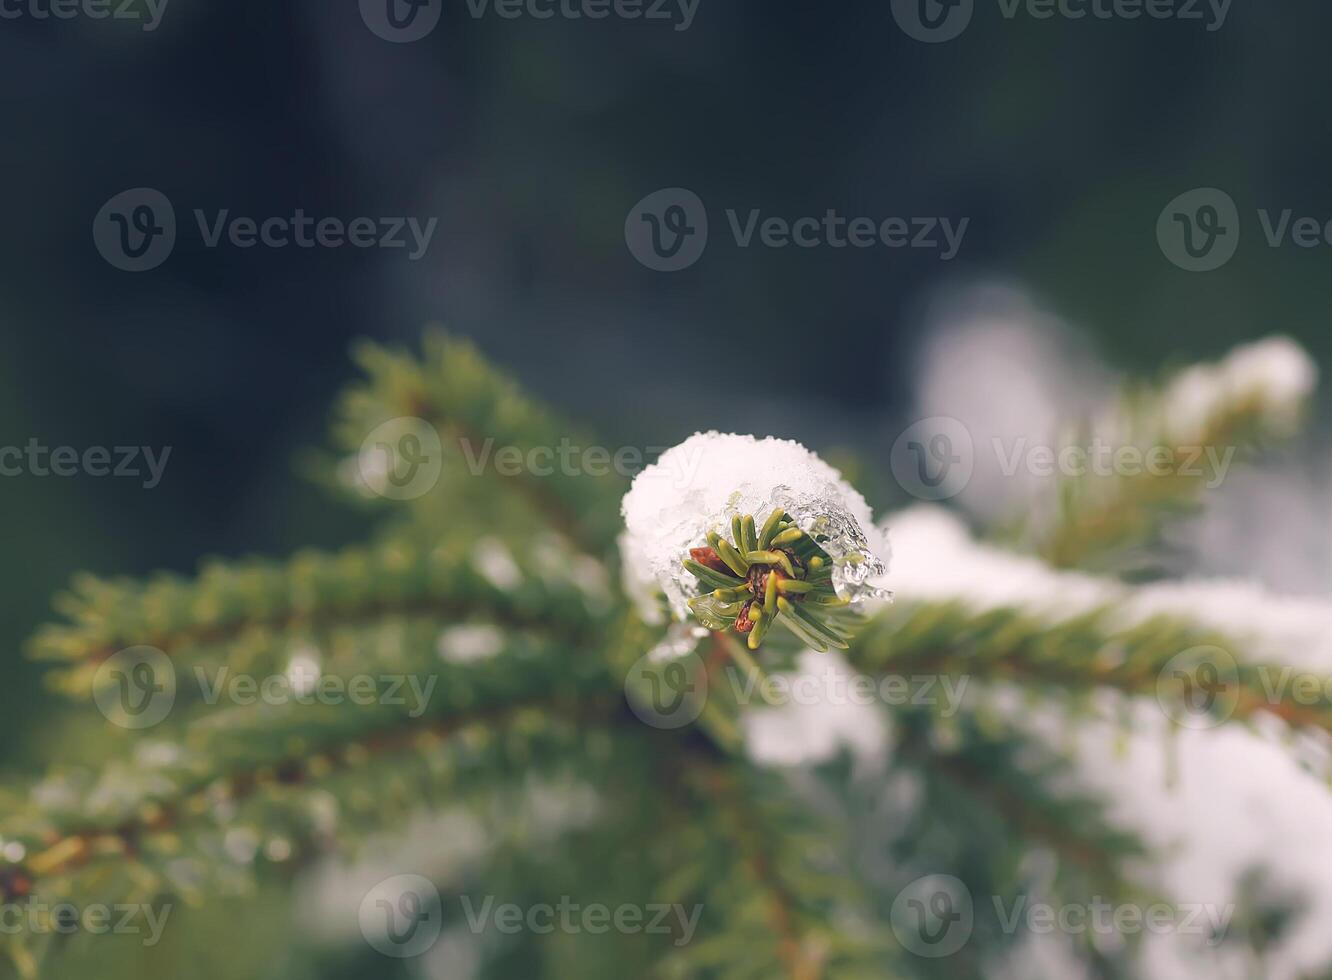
806	730
469	643
1241	798
1274	371
699	485
494	562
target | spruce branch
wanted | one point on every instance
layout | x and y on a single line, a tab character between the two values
1077	655
1102	521
995	810
223	791
761	858
231	749
1011	776
478	410
179	792
746	534
761	578
310	745
1191	428
254	613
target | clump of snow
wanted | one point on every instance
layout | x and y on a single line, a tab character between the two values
699	485
1239	799
680	640
808	730
1231	802
938	561
469	643
304	668
1001	377
1271	524
638	582
1012	375
494	562
1275	372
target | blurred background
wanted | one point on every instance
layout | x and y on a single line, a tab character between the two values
530	142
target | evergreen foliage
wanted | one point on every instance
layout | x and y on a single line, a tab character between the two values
226	811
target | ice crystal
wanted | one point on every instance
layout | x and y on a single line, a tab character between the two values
701	485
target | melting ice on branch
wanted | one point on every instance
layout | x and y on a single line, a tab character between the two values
712	482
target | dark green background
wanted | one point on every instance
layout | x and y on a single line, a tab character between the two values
530	141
